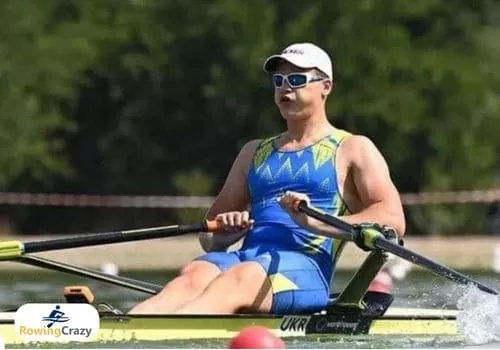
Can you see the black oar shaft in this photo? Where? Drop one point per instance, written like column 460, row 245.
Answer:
column 121, row 281
column 112, row 237
column 328, row 219
column 396, row 249
column 437, row 268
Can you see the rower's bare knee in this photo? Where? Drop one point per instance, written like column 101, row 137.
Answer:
column 191, row 282
column 247, row 286
column 193, row 279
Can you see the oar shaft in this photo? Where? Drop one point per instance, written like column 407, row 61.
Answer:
column 382, row 243
column 108, row 238
column 15, row 249
column 121, row 281
column 437, row 268
column 328, row 219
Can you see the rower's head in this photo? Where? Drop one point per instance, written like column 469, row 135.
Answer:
column 303, row 77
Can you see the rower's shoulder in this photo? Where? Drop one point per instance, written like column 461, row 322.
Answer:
column 254, row 145
column 247, row 151
column 259, row 143
column 250, row 147
column 357, row 142
column 339, row 135
column 359, row 148
column 257, row 150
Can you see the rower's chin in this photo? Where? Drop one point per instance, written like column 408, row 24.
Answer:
column 293, row 114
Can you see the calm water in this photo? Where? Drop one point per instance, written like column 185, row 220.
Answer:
column 419, row 289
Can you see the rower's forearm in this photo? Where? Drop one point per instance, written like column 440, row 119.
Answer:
column 382, row 215
column 377, row 213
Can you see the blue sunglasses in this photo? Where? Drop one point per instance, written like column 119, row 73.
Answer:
column 295, row 80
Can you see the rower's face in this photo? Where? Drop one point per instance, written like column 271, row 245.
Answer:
column 299, row 102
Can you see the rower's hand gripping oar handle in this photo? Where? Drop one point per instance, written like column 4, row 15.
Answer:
column 302, row 206
column 363, row 235
column 376, row 240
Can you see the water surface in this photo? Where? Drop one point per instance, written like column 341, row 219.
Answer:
column 418, row 289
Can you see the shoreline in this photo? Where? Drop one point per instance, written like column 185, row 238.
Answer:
column 457, row 252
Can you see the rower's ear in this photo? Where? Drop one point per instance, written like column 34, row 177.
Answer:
column 328, row 88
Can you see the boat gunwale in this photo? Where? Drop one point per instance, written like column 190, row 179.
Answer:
column 346, row 316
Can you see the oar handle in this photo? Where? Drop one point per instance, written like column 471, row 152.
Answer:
column 347, row 229
column 213, row 226
column 325, row 217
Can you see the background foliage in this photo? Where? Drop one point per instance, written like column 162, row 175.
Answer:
column 157, row 97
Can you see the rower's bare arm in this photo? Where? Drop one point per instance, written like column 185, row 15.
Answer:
column 380, row 200
column 377, row 198
column 232, row 200
column 234, row 194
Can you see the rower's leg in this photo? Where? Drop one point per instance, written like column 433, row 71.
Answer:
column 277, row 281
column 244, row 286
column 191, row 282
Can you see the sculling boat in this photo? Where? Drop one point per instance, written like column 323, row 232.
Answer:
column 397, row 321
column 394, row 321
column 353, row 311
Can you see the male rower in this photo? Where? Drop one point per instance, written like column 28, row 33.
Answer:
column 287, row 259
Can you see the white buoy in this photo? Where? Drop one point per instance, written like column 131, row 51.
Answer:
column 398, row 268
column 495, row 263
column 110, row 268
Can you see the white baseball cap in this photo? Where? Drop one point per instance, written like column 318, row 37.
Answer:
column 302, row 55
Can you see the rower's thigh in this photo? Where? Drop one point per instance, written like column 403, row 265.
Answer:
column 246, row 286
column 296, row 281
column 202, row 271
column 194, row 278
column 223, row 261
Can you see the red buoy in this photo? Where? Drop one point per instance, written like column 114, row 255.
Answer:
column 381, row 283
column 256, row 337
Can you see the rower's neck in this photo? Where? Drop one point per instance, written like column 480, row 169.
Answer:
column 308, row 130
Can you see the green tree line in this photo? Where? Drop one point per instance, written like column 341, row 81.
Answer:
column 157, row 97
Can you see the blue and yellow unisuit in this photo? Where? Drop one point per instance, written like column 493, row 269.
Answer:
column 299, row 263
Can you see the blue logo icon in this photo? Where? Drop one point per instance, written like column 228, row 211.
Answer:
column 55, row 316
